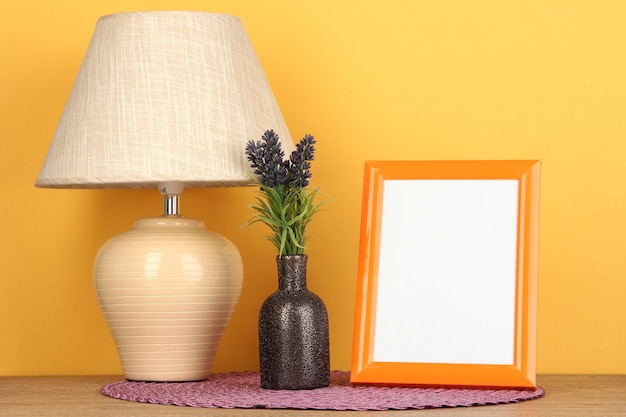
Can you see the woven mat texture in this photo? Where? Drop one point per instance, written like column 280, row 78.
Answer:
column 242, row 390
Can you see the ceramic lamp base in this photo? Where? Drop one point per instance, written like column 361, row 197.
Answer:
column 167, row 289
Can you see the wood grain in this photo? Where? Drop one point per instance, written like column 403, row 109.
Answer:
column 566, row 395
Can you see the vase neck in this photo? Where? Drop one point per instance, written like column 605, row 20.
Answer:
column 291, row 272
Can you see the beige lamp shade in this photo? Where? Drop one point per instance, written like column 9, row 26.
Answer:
column 163, row 97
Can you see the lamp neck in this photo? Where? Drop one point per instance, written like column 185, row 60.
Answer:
column 171, row 205
column 171, row 192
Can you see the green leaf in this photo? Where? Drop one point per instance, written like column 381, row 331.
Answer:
column 286, row 211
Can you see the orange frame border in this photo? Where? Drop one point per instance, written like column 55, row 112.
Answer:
column 523, row 371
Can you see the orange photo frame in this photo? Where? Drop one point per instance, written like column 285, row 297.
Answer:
column 447, row 274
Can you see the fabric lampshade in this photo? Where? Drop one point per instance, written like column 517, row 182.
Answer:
column 163, row 97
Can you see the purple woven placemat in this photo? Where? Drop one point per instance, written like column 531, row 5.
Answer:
column 242, row 390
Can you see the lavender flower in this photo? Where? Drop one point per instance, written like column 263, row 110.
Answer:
column 300, row 166
column 266, row 157
column 286, row 205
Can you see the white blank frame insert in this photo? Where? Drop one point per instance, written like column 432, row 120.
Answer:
column 447, row 274
column 460, row 237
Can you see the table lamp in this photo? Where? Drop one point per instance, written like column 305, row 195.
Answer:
column 165, row 100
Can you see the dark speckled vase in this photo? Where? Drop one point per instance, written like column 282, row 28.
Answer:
column 293, row 332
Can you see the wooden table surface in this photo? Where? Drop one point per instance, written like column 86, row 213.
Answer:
column 566, row 395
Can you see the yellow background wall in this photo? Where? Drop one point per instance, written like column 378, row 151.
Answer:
column 371, row 80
